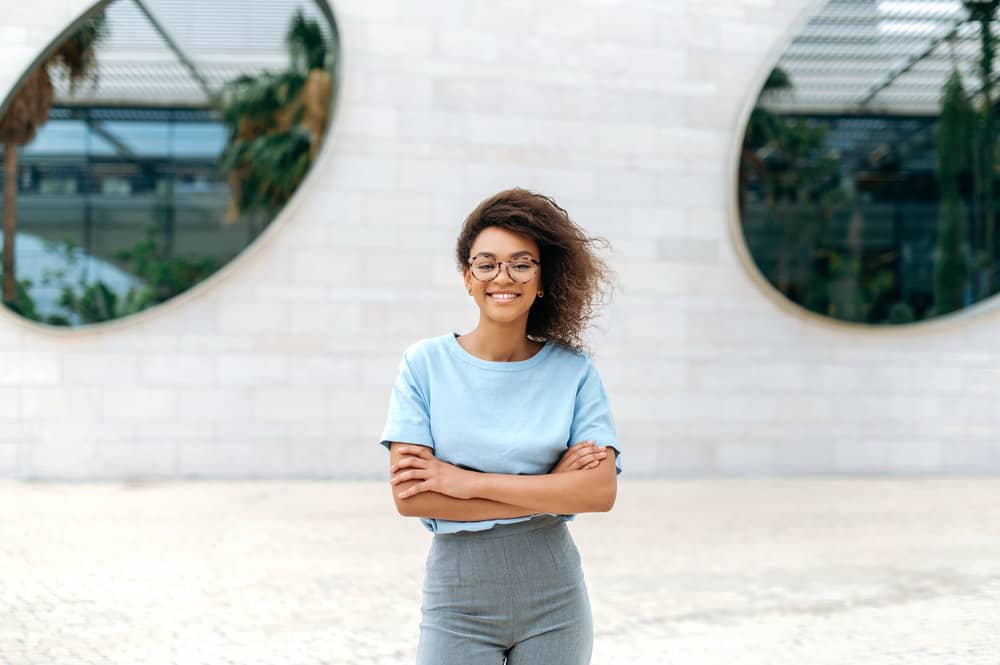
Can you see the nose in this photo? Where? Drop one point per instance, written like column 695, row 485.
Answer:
column 503, row 272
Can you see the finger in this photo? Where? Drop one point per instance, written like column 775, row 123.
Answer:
column 416, row 489
column 417, row 451
column 588, row 455
column 409, row 461
column 403, row 476
column 590, row 459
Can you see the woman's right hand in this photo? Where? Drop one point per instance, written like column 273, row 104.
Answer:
column 583, row 455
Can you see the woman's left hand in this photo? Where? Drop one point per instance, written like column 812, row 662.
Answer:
column 419, row 463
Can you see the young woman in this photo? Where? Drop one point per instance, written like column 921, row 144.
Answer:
column 498, row 437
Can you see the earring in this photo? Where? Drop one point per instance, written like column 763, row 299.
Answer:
column 541, row 293
column 470, row 291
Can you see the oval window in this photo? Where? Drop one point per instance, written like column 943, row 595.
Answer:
column 153, row 144
column 868, row 187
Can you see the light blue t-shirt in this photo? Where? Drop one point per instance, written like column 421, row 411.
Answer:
column 497, row 417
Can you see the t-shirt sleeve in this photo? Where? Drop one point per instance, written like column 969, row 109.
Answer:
column 408, row 420
column 592, row 416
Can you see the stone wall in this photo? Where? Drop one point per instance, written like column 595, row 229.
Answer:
column 630, row 114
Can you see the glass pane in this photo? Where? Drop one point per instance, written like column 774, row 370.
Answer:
column 868, row 179
column 125, row 192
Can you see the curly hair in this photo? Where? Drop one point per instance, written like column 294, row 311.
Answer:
column 574, row 278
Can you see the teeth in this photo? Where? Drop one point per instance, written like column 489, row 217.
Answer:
column 503, row 296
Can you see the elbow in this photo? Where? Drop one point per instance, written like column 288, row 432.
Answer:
column 601, row 502
column 601, row 494
column 607, row 498
column 406, row 507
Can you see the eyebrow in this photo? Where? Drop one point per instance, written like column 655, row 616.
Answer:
column 513, row 256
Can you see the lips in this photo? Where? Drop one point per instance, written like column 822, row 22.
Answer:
column 503, row 296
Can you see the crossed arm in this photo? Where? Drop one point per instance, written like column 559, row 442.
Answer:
column 424, row 486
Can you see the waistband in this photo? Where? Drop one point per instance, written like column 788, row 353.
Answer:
column 504, row 530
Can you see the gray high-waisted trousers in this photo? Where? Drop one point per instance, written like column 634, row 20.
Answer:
column 515, row 591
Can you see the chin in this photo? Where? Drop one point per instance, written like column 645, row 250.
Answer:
column 506, row 317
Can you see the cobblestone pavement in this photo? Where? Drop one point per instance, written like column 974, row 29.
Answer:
column 768, row 572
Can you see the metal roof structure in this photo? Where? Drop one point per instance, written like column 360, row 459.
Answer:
column 175, row 53
column 879, row 57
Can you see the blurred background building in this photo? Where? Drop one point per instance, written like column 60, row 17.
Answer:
column 233, row 217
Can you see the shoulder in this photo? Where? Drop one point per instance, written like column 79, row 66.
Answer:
column 425, row 352
column 567, row 360
column 569, row 355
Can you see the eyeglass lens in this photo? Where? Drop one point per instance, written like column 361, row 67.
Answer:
column 486, row 268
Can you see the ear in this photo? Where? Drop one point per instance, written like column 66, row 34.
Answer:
column 468, row 278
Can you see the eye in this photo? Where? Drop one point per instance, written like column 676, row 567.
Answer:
column 485, row 265
column 522, row 266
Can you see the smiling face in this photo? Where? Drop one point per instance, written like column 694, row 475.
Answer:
column 502, row 299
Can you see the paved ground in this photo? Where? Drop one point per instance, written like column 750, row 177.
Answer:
column 767, row 572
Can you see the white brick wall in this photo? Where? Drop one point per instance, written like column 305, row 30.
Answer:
column 626, row 112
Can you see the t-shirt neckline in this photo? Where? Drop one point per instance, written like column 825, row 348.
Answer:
column 501, row 365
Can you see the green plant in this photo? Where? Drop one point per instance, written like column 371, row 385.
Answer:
column 763, row 127
column 276, row 123
column 955, row 140
column 28, row 111
column 78, row 53
column 901, row 312
column 96, row 303
column 23, row 304
column 984, row 12
column 163, row 278
column 800, row 198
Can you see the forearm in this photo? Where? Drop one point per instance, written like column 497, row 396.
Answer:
column 578, row 491
column 441, row 506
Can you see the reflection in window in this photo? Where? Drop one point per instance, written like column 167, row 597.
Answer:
column 868, row 188
column 127, row 190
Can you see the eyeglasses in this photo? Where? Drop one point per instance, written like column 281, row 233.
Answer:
column 485, row 268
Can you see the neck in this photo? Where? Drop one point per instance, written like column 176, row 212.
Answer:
column 500, row 342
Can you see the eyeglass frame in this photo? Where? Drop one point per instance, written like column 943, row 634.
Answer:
column 502, row 266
